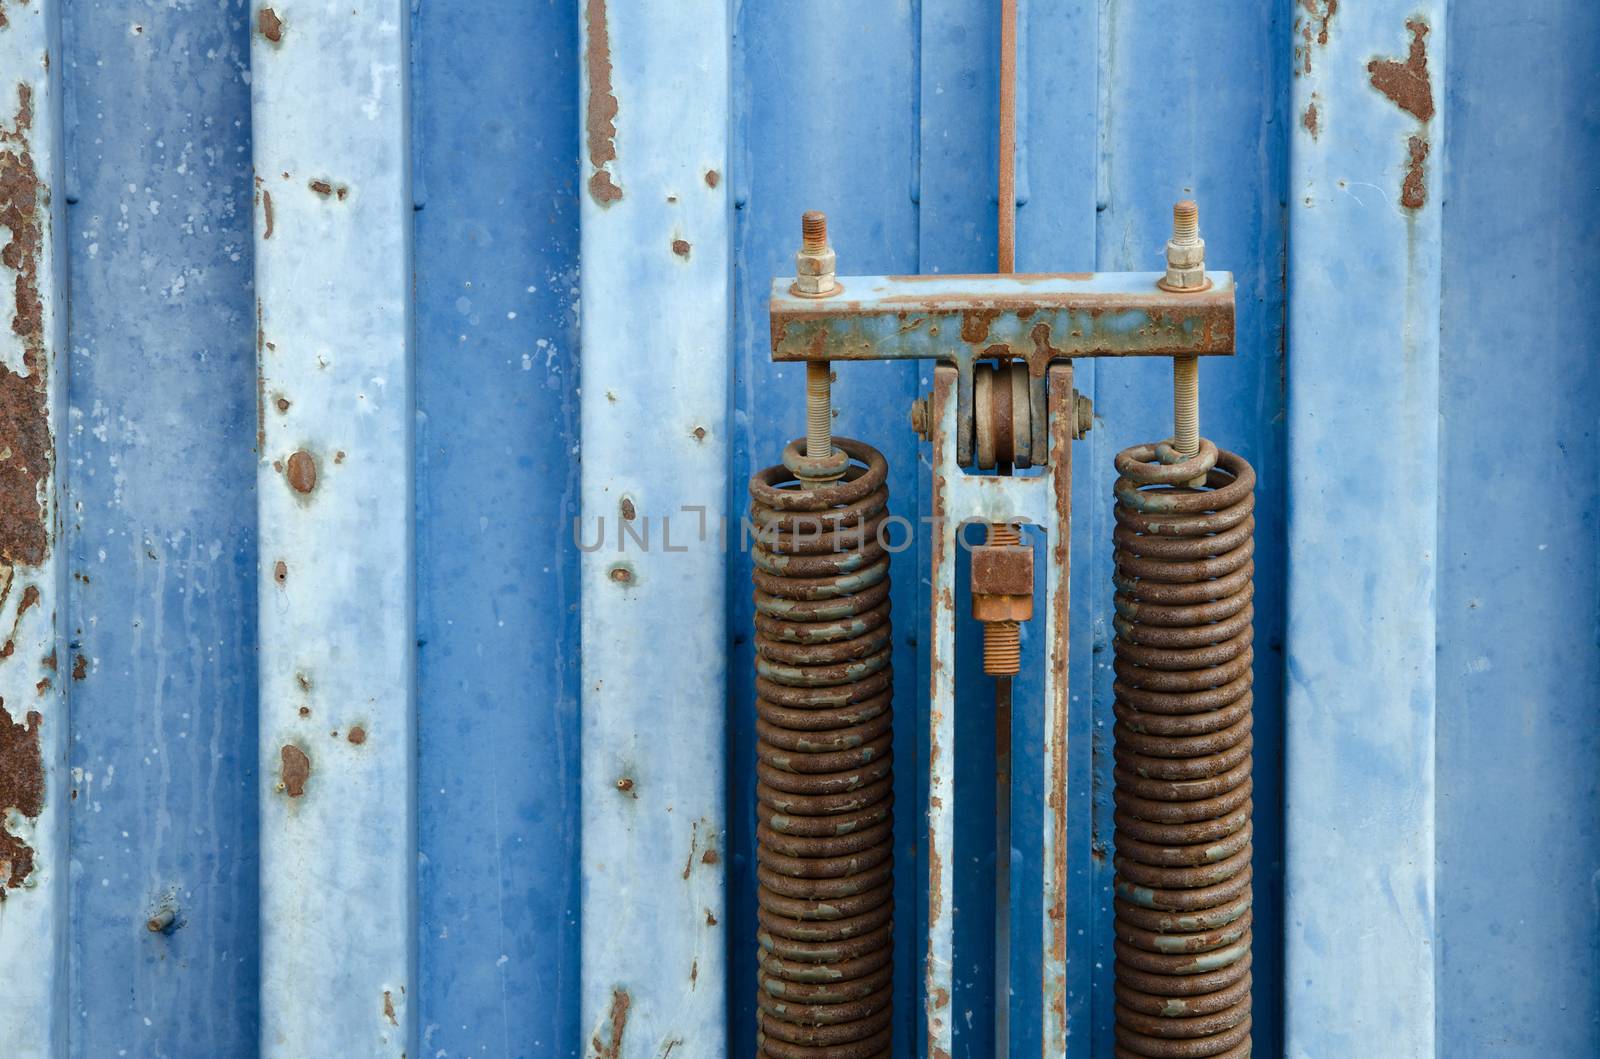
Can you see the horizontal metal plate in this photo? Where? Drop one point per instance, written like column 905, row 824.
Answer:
column 1036, row 318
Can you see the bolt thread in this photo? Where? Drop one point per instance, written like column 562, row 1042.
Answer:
column 1185, row 222
column 819, row 409
column 814, row 230
column 1186, row 405
column 1002, row 648
column 1002, row 640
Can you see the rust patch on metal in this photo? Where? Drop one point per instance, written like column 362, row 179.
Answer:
column 1406, row 82
column 266, row 214
column 1312, row 29
column 280, row 572
column 269, row 25
column 713, row 178
column 358, row 735
column 328, row 189
column 600, row 122
column 612, row 1049
column 388, row 1008
column 625, row 785
column 296, row 769
column 26, row 448
column 681, row 247
column 80, row 667
column 1414, row 188
column 975, row 324
column 302, row 471
column 1311, row 119
column 21, row 790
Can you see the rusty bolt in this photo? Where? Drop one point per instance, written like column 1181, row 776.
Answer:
column 1002, row 596
column 1082, row 415
column 919, row 418
column 1186, row 271
column 161, row 921
column 814, row 265
column 1186, row 251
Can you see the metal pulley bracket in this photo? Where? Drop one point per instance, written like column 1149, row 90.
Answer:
column 1033, row 319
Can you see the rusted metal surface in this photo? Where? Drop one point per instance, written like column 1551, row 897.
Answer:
column 1045, row 501
column 1038, row 319
column 825, row 731
column 1407, row 84
column 337, row 643
column 1184, row 629
column 32, row 577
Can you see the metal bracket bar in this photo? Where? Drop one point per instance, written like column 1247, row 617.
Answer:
column 1046, row 501
column 1035, row 318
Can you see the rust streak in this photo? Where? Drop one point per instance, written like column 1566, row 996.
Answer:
column 21, row 791
column 296, row 769
column 266, row 213
column 388, row 1008
column 620, row 1002
column 600, row 122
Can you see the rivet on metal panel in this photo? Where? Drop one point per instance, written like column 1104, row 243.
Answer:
column 302, row 471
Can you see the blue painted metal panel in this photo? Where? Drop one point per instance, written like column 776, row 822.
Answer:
column 883, row 115
column 656, row 278
column 1518, row 757
column 497, row 479
column 161, row 531
column 1364, row 412
column 330, row 114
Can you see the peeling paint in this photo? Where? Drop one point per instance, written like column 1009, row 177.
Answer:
column 21, row 791
column 600, row 121
column 26, row 448
column 1312, row 29
column 296, row 770
column 388, row 1008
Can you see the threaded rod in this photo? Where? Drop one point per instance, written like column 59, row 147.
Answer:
column 1002, row 640
column 819, row 409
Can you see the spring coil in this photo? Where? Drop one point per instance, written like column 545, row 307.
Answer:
column 1183, row 753
column 824, row 785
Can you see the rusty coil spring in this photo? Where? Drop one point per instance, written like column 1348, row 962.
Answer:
column 824, row 730
column 1183, row 752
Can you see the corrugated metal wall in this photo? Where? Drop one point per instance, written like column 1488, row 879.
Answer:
column 303, row 651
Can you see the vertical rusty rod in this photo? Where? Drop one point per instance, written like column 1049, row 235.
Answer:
column 1002, row 641
column 1008, row 136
